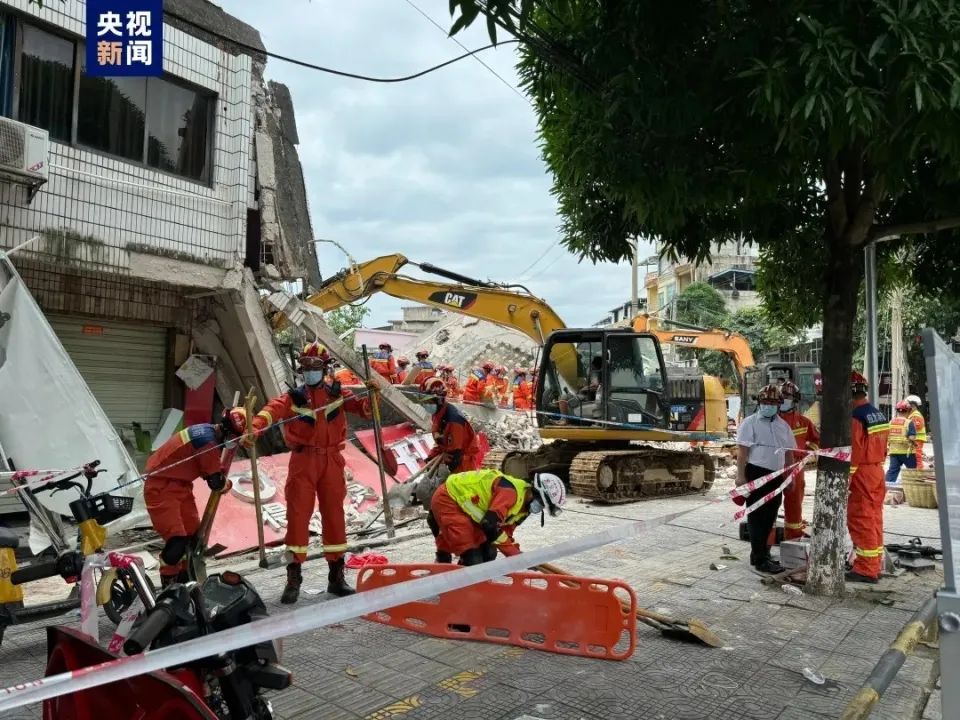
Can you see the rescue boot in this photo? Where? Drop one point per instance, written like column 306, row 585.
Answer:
column 769, row 565
column 473, row 556
column 444, row 557
column 294, row 579
column 336, row 581
column 851, row 576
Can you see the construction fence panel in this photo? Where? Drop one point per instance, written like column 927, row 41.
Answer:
column 943, row 380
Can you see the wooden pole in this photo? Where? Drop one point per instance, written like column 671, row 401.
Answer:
column 378, row 441
column 255, row 477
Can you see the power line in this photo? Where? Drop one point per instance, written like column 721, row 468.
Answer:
column 333, row 71
column 441, row 29
column 541, row 257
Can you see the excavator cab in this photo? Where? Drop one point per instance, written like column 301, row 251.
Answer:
column 596, row 382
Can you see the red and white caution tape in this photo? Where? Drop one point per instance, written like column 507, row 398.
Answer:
column 313, row 617
column 841, row 453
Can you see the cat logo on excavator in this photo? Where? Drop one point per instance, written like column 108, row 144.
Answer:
column 461, row 301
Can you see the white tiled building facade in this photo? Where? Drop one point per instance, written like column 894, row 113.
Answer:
column 149, row 227
column 194, row 209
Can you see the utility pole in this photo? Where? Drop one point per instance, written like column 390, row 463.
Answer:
column 635, row 286
column 870, row 364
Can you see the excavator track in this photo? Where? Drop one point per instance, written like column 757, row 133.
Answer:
column 644, row 473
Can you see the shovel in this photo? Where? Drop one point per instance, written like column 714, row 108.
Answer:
column 692, row 630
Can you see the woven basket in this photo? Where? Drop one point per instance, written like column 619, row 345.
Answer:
column 918, row 488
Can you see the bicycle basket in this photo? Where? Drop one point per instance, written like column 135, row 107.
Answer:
column 110, row 507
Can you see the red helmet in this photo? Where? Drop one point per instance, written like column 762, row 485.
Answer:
column 434, row 386
column 421, row 353
column 790, row 390
column 385, row 346
column 403, row 360
column 903, row 406
column 770, row 394
column 488, row 366
column 234, row 421
column 519, row 371
column 314, row 356
column 501, row 369
column 858, row 383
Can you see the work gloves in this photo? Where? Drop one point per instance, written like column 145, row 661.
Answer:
column 216, row 482
column 490, row 525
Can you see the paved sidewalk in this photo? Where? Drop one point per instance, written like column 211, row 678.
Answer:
column 364, row 670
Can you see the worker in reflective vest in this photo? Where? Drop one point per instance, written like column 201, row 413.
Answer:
column 867, row 488
column 477, row 512
column 901, row 445
column 168, row 491
column 807, row 437
column 315, row 437
column 916, row 417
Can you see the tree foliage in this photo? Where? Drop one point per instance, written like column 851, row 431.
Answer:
column 808, row 127
column 345, row 320
column 701, row 304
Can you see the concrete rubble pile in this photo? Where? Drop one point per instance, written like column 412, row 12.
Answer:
column 505, row 429
column 466, row 342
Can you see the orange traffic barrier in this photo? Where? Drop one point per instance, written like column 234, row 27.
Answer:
column 568, row 615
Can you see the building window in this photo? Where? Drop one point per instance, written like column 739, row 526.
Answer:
column 157, row 122
column 46, row 82
column 178, row 129
column 111, row 115
column 7, row 44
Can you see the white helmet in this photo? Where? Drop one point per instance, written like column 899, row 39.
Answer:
column 551, row 493
column 913, row 400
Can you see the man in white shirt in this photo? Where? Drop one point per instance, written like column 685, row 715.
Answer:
column 765, row 442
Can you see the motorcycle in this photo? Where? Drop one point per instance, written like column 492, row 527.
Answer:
column 221, row 687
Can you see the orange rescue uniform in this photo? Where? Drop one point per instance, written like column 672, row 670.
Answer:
column 475, row 387
column 916, row 417
column 346, row 376
column 315, row 438
column 168, row 490
column 456, row 439
column 458, row 532
column 807, row 437
column 522, row 395
column 452, row 386
column 385, row 364
column 867, row 487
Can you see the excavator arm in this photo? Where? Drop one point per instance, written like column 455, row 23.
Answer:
column 730, row 343
column 486, row 301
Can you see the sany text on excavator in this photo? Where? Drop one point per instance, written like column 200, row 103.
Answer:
column 600, row 389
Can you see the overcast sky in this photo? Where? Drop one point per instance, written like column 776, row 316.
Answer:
column 444, row 169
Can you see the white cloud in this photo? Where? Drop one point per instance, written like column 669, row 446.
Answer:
column 444, row 169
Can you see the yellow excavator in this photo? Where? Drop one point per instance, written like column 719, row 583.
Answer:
column 600, row 389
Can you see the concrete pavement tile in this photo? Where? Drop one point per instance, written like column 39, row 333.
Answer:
column 797, row 656
column 825, row 700
column 348, row 694
column 547, row 708
column 774, row 684
column 395, row 684
column 801, row 713
column 845, row 669
column 294, row 702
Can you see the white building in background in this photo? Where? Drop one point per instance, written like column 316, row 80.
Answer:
column 166, row 200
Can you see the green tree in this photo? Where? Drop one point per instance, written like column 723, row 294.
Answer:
column 809, row 127
column 345, row 320
column 702, row 305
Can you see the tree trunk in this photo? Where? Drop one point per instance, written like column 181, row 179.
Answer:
column 842, row 285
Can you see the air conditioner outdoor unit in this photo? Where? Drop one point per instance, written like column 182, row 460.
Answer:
column 24, row 154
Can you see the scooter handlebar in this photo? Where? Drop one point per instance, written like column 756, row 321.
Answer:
column 37, row 571
column 147, row 631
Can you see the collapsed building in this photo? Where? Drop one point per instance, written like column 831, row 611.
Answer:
column 161, row 208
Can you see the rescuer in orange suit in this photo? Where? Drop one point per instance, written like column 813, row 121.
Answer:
column 168, row 491
column 522, row 390
column 346, row 376
column 807, row 437
column 920, row 425
column 423, row 367
column 315, row 438
column 477, row 383
column 867, row 487
column 450, row 381
column 384, row 363
column 403, row 365
column 453, row 436
column 497, row 386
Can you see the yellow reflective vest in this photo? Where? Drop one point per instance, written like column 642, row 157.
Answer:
column 917, row 419
column 473, row 492
column 897, row 442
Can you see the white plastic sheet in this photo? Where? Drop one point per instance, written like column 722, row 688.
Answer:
column 50, row 419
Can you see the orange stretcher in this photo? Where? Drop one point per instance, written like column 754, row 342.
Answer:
column 563, row 614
